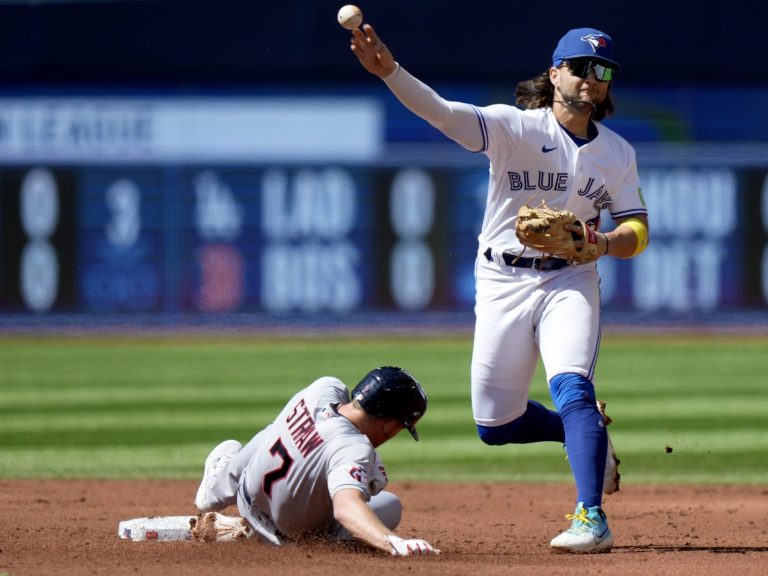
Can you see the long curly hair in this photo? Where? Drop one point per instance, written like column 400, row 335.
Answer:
column 539, row 92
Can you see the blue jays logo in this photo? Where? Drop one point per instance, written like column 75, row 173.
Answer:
column 595, row 40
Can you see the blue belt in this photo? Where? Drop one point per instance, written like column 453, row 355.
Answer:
column 542, row 264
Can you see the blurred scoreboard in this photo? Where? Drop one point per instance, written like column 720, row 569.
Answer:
column 277, row 239
column 336, row 238
column 38, row 260
column 300, row 204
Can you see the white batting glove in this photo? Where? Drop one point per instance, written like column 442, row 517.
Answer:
column 413, row 547
column 214, row 526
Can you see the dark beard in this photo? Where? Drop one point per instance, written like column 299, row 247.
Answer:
column 581, row 106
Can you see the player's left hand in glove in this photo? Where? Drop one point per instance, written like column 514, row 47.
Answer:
column 556, row 232
column 213, row 526
column 412, row 547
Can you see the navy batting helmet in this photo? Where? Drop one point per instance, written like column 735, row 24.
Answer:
column 392, row 392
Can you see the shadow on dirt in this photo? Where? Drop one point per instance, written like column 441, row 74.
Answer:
column 713, row 549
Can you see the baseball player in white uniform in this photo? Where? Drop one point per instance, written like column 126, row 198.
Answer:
column 315, row 470
column 528, row 304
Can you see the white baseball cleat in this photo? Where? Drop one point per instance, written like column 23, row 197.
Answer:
column 611, row 478
column 588, row 534
column 216, row 462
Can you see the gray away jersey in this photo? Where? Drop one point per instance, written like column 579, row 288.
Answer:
column 306, row 455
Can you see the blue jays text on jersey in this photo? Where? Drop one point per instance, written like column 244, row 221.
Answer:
column 525, row 180
column 558, row 181
column 600, row 196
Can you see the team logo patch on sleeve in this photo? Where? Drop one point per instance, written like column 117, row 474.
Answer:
column 356, row 472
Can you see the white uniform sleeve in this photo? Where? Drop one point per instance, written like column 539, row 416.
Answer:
column 458, row 121
column 351, row 467
column 378, row 478
column 628, row 200
column 502, row 128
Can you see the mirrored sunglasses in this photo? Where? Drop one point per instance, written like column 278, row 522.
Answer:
column 581, row 67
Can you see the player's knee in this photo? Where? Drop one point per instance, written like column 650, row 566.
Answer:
column 388, row 508
column 490, row 435
column 570, row 387
column 508, row 433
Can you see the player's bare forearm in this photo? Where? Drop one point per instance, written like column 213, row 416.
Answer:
column 372, row 52
column 351, row 511
column 623, row 240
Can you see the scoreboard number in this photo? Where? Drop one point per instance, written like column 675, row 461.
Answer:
column 39, row 214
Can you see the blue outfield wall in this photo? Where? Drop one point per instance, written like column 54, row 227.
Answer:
column 149, row 205
column 192, row 161
column 340, row 239
column 200, row 42
column 697, row 113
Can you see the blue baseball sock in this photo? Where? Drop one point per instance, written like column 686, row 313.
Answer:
column 537, row 424
column 586, row 440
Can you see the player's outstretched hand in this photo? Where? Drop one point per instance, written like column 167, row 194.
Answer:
column 372, row 52
column 412, row 547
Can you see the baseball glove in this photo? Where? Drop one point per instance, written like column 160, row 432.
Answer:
column 544, row 229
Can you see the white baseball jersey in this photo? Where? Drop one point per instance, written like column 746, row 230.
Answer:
column 305, row 456
column 532, row 158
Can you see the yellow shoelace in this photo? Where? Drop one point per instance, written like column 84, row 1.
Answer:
column 581, row 516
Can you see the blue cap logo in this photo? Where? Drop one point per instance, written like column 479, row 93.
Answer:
column 595, row 40
column 585, row 43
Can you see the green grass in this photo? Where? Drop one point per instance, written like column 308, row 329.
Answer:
column 685, row 409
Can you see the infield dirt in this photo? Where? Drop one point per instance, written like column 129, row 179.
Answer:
column 70, row 527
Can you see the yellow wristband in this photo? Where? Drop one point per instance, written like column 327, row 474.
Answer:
column 641, row 231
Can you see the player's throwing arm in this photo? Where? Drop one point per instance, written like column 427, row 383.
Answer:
column 371, row 51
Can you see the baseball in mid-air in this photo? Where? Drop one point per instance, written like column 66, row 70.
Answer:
column 350, row 16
